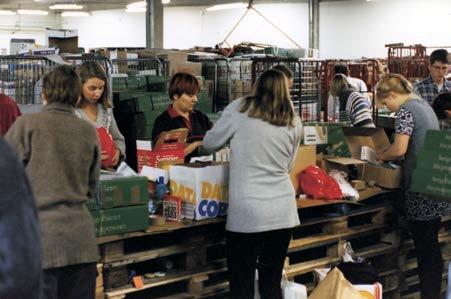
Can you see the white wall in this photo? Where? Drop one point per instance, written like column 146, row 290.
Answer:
column 352, row 29
column 186, row 27
column 30, row 27
column 112, row 28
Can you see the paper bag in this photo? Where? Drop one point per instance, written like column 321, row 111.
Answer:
column 335, row 286
column 203, row 189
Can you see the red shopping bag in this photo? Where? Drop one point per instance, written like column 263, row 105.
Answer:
column 317, row 183
column 107, row 146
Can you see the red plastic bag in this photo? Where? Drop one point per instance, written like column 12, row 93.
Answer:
column 317, row 183
column 107, row 146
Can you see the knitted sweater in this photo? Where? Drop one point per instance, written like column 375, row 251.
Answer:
column 62, row 159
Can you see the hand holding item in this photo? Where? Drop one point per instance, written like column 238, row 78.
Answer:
column 116, row 157
column 191, row 147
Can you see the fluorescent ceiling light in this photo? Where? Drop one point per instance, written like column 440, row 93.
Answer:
column 136, row 9
column 227, row 6
column 7, row 12
column 139, row 4
column 32, row 12
column 165, row 1
column 75, row 14
column 66, row 6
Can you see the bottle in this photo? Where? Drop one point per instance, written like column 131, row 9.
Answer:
column 160, row 189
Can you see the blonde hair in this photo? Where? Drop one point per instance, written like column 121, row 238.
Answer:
column 271, row 100
column 338, row 84
column 392, row 83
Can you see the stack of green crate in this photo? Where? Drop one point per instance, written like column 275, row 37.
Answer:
column 433, row 169
column 140, row 82
column 120, row 205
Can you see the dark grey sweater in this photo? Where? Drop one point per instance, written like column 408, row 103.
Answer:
column 20, row 248
column 62, row 159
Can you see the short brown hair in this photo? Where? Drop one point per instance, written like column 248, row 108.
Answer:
column 285, row 70
column 270, row 101
column 89, row 70
column 62, row 85
column 183, row 83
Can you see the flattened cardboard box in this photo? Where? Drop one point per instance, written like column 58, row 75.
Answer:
column 434, row 160
column 438, row 140
column 120, row 220
column 432, row 183
column 122, row 191
column 305, row 156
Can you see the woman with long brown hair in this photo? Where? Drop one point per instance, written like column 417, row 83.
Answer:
column 264, row 134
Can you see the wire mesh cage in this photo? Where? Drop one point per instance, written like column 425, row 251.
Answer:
column 80, row 59
column 240, row 78
column 260, row 65
column 21, row 77
column 138, row 66
column 310, row 89
column 409, row 61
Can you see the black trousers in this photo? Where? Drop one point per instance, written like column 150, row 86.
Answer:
column 70, row 282
column 429, row 256
column 264, row 251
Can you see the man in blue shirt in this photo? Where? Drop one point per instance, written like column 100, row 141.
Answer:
column 429, row 88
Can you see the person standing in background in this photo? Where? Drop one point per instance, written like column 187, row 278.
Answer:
column 429, row 88
column 414, row 117
column 62, row 158
column 9, row 112
column 333, row 105
column 95, row 107
column 20, row 245
column 287, row 72
column 262, row 207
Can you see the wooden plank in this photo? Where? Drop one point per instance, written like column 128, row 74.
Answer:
column 325, row 239
column 170, row 278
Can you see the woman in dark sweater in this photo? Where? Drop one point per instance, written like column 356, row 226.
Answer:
column 62, row 159
column 414, row 117
column 183, row 91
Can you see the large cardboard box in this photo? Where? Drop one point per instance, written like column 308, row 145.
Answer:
column 436, row 183
column 305, row 156
column 120, row 220
column 203, row 189
column 376, row 139
column 116, row 191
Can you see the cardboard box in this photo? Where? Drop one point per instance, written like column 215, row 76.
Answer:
column 192, row 68
column 120, row 220
column 203, row 189
column 434, row 160
column 116, row 191
column 434, row 183
column 305, row 156
column 438, row 140
column 376, row 139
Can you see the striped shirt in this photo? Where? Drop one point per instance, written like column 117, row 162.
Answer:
column 354, row 108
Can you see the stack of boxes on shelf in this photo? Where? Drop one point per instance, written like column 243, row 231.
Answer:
column 120, row 205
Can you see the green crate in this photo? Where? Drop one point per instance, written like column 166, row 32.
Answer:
column 203, row 104
column 434, row 161
column 120, row 220
column 432, row 183
column 119, row 83
column 438, row 140
column 136, row 82
column 91, row 203
column 121, row 191
column 144, row 132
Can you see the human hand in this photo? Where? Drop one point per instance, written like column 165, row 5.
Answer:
column 192, row 147
column 104, row 155
column 116, row 157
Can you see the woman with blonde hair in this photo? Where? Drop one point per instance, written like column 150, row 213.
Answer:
column 264, row 134
column 414, row 117
column 353, row 106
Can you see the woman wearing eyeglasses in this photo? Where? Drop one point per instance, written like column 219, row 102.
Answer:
column 414, row 117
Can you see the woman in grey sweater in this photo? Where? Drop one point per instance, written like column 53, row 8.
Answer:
column 264, row 134
column 62, row 159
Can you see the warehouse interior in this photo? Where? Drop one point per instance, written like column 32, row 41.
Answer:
column 160, row 211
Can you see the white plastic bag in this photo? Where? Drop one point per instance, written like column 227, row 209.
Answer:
column 290, row 290
column 346, row 189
